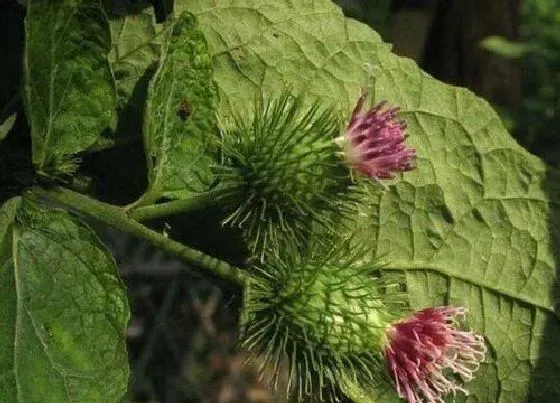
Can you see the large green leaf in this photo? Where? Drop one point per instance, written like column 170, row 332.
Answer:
column 69, row 88
column 262, row 47
column 180, row 114
column 474, row 225
column 64, row 310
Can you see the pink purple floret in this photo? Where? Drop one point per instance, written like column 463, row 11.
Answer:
column 375, row 141
column 425, row 348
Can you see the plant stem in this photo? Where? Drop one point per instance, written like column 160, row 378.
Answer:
column 196, row 202
column 116, row 217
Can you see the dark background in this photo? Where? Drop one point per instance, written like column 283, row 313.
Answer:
column 183, row 330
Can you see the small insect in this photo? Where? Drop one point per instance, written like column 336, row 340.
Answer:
column 184, row 109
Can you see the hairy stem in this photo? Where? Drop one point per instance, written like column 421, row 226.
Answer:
column 116, row 217
column 196, row 202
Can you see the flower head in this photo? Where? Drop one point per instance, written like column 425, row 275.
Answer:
column 425, row 347
column 374, row 141
column 282, row 168
column 325, row 313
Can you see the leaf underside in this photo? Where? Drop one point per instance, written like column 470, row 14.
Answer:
column 473, row 225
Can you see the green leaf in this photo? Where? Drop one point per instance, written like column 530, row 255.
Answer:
column 64, row 310
column 384, row 393
column 474, row 225
column 68, row 84
column 134, row 48
column 265, row 47
column 136, row 44
column 505, row 48
column 180, row 114
column 7, row 125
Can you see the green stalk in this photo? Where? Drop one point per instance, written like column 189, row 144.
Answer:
column 116, row 217
column 196, row 202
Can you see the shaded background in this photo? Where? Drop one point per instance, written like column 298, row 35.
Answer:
column 183, row 330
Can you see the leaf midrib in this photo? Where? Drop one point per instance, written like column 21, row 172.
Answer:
column 19, row 307
column 20, row 311
column 404, row 265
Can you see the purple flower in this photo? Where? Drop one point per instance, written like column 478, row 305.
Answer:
column 374, row 141
column 425, row 348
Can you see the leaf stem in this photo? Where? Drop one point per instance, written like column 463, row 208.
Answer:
column 196, row 202
column 116, row 217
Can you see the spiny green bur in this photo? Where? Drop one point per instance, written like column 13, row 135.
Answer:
column 325, row 314
column 333, row 308
column 284, row 172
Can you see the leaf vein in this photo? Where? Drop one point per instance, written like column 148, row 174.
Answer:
column 421, row 266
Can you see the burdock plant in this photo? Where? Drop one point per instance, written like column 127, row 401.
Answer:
column 374, row 141
column 282, row 171
column 324, row 312
column 332, row 315
column 317, row 301
column 289, row 173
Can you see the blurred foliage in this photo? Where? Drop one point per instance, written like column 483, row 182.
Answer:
column 535, row 123
column 374, row 13
column 182, row 337
column 11, row 41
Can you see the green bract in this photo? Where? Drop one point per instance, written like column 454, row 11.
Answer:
column 325, row 313
column 284, row 171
